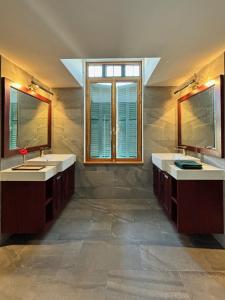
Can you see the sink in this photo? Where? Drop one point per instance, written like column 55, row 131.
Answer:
column 61, row 161
column 163, row 160
column 27, row 168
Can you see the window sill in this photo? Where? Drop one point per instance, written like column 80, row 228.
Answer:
column 113, row 162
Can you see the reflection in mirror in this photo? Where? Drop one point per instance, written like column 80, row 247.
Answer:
column 28, row 121
column 197, row 120
column 200, row 119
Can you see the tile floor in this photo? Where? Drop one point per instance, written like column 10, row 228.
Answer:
column 110, row 250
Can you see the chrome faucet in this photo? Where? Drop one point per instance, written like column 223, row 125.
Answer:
column 42, row 151
column 183, row 149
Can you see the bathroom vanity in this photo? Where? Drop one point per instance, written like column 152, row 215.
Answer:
column 31, row 199
column 192, row 199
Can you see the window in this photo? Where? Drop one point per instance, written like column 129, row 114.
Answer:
column 114, row 113
column 132, row 70
column 95, row 71
column 113, row 71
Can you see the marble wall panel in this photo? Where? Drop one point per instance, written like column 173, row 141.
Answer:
column 159, row 134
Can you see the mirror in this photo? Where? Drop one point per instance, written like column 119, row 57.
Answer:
column 200, row 124
column 27, row 119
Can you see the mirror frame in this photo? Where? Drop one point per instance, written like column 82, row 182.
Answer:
column 6, row 84
column 219, row 114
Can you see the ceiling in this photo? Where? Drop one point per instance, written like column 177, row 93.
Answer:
column 186, row 34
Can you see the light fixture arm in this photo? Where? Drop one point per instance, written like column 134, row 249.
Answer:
column 187, row 84
column 38, row 86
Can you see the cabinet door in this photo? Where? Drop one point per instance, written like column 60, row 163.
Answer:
column 161, row 191
column 156, row 181
column 68, row 183
column 58, row 198
column 72, row 180
column 200, row 201
column 23, row 207
column 167, row 192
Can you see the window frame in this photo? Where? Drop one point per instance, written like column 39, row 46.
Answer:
column 113, row 80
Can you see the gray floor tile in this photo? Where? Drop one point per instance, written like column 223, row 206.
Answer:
column 110, row 249
column 202, row 286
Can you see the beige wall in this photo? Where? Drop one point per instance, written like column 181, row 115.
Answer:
column 211, row 71
column 18, row 75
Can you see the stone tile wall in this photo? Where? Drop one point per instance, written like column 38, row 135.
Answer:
column 159, row 135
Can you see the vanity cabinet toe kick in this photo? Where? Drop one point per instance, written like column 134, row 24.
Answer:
column 194, row 206
column 30, row 207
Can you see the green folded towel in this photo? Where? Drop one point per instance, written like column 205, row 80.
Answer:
column 187, row 164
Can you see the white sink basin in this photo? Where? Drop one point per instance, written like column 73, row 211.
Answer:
column 163, row 160
column 207, row 172
column 61, row 161
column 19, row 175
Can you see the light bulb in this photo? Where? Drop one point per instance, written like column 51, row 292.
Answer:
column 210, row 83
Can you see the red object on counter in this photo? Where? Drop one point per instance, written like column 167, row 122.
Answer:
column 23, row 151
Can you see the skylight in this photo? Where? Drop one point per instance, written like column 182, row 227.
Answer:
column 77, row 66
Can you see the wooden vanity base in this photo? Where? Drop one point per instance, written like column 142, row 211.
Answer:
column 194, row 206
column 30, row 207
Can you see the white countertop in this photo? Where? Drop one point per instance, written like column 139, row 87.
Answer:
column 61, row 161
column 162, row 160
column 19, row 175
column 165, row 162
column 207, row 172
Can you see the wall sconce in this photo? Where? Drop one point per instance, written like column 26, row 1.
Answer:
column 34, row 86
column 193, row 82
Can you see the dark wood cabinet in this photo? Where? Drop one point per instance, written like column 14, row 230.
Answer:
column 194, row 206
column 166, row 192
column 161, row 187
column 68, row 184
column 31, row 206
column 156, row 181
column 58, row 193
